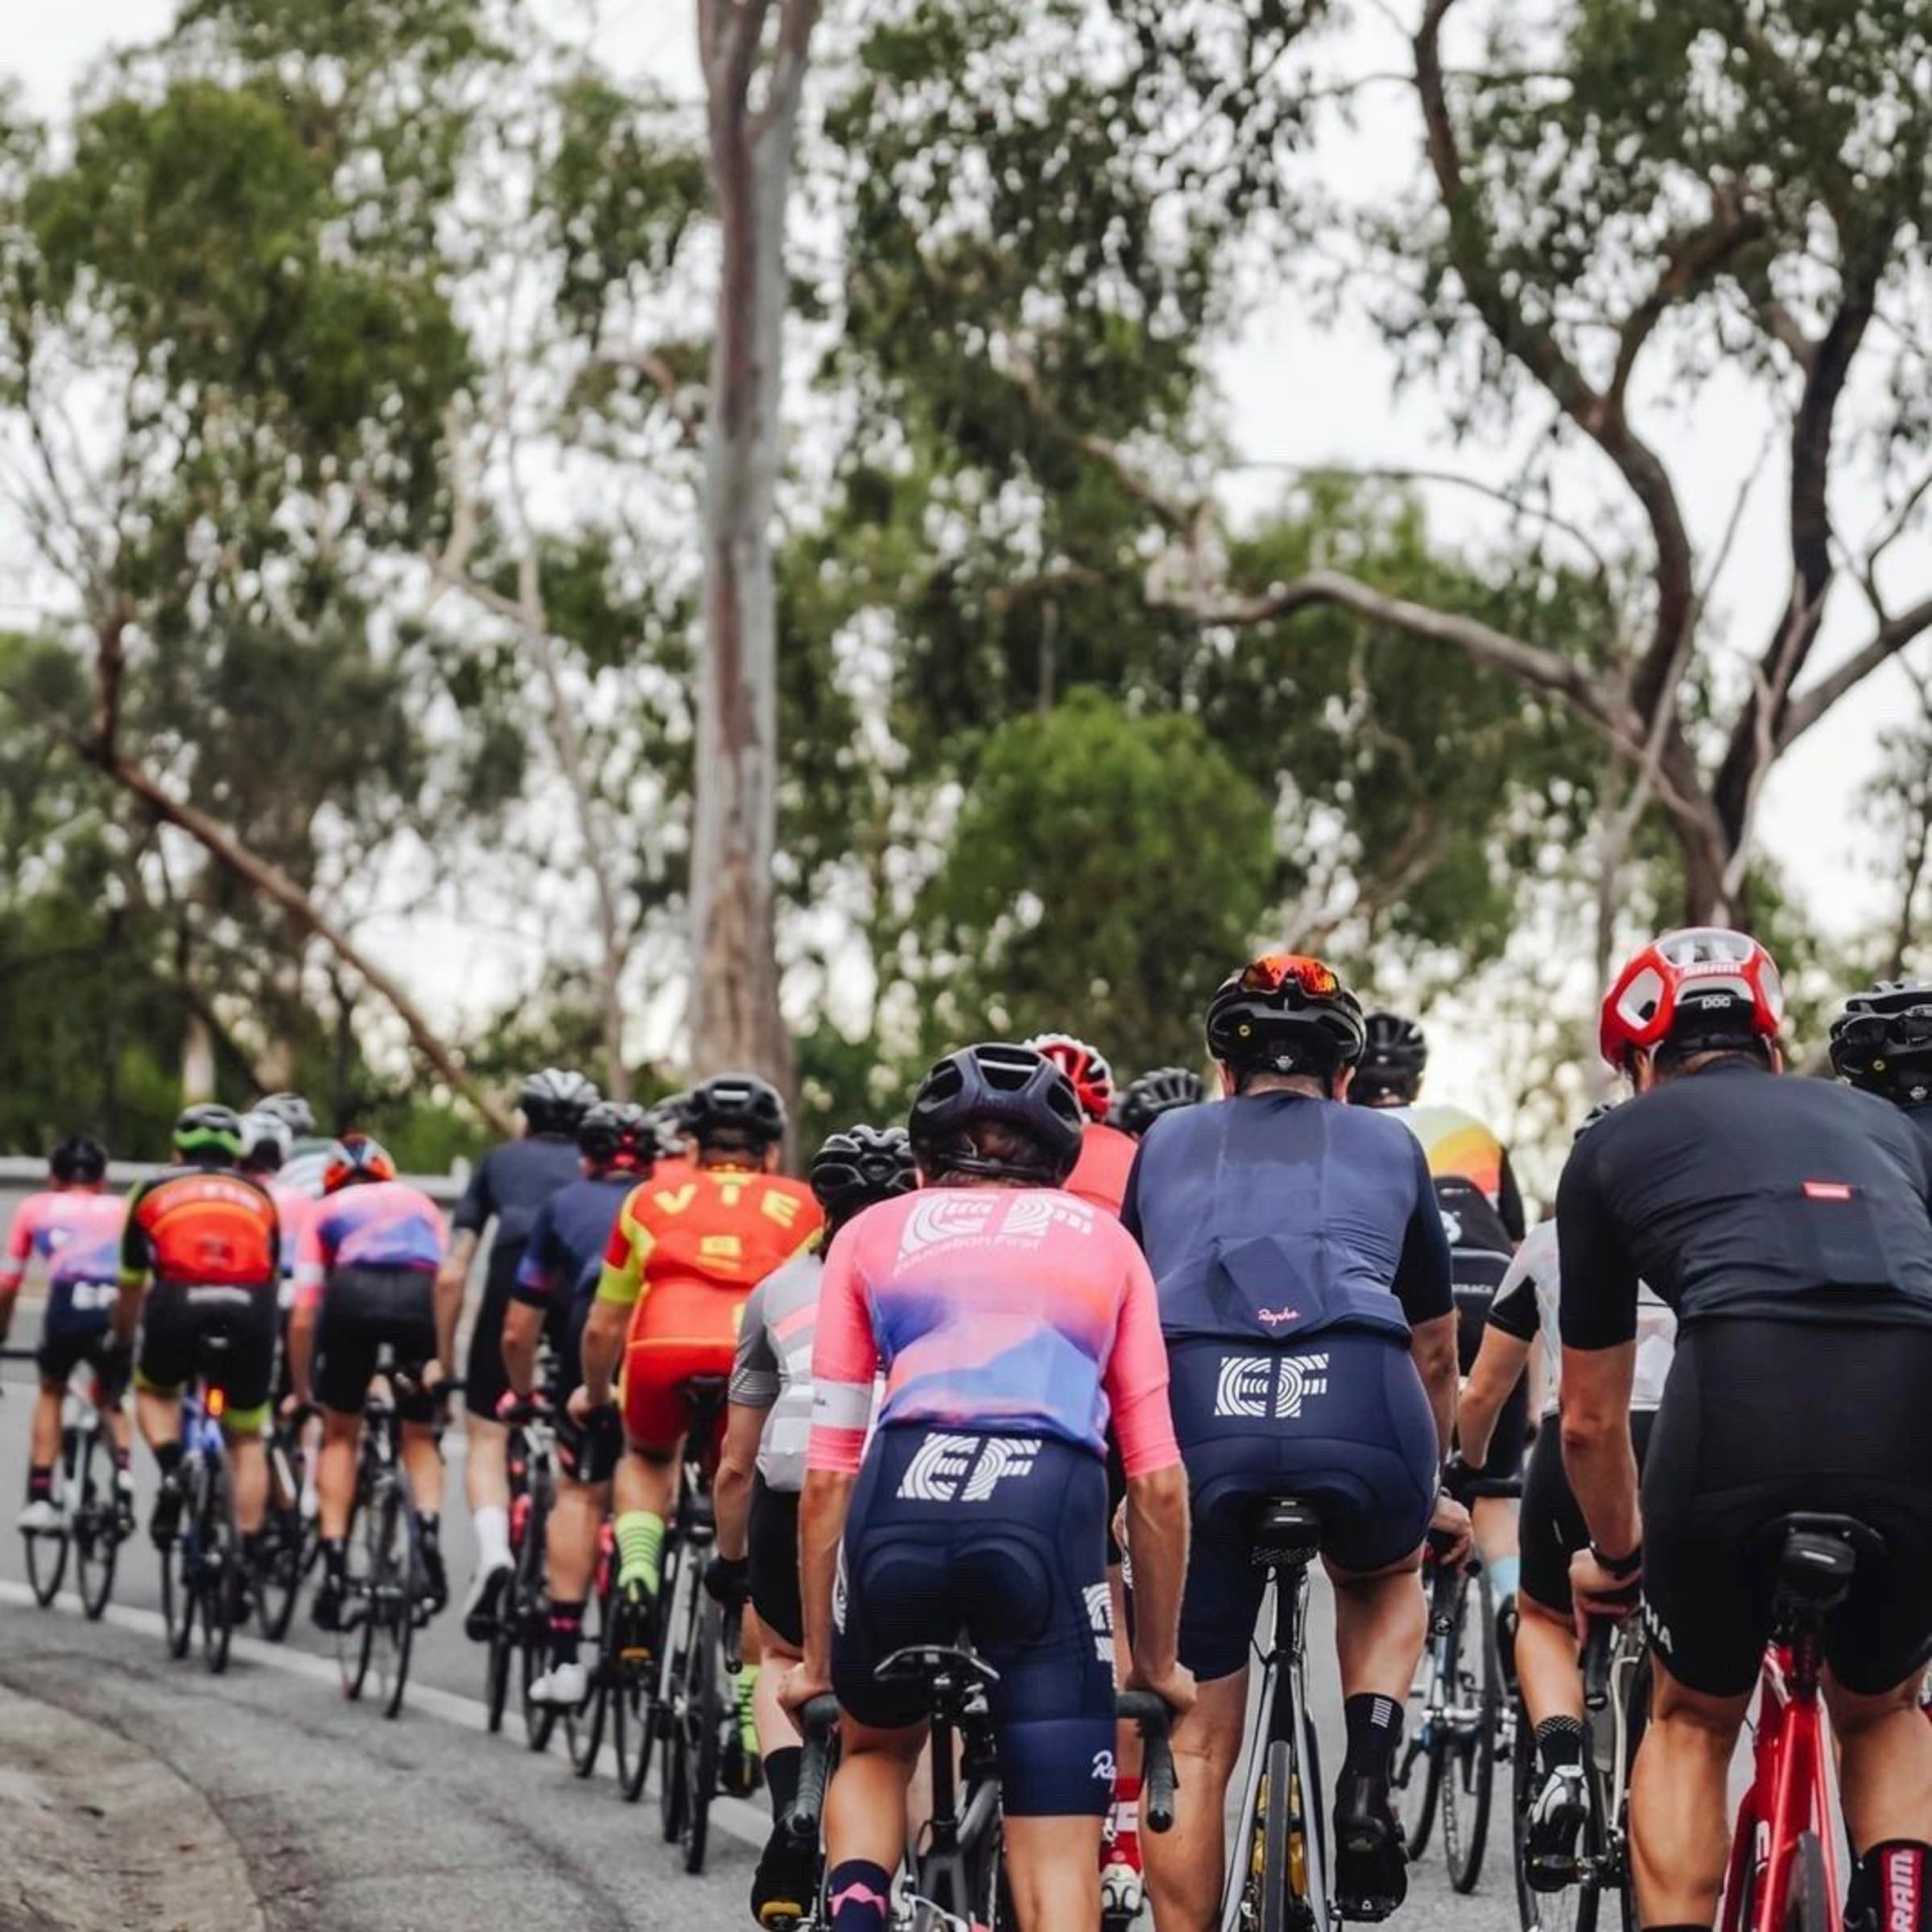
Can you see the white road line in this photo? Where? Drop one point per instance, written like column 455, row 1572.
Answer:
column 732, row 1815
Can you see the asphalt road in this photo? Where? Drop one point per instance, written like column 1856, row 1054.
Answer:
column 155, row 1797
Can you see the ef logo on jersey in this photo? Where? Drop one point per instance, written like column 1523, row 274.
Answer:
column 965, row 1468
column 1258, row 1386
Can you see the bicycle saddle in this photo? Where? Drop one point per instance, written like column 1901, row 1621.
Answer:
column 938, row 1665
column 1287, row 1534
column 1816, row 1556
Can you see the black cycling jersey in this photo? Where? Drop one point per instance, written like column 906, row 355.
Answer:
column 1735, row 1191
column 512, row 1181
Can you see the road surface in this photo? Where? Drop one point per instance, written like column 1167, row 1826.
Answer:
column 141, row 1795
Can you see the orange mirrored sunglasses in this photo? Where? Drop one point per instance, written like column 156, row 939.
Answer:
column 1274, row 970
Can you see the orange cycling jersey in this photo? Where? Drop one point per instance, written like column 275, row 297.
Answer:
column 686, row 1251
column 201, row 1228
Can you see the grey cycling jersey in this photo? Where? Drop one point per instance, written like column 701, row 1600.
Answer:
column 772, row 1369
column 1526, row 1306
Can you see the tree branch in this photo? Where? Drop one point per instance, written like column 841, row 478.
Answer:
column 1808, row 707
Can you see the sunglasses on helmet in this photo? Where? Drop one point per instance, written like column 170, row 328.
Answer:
column 1274, row 972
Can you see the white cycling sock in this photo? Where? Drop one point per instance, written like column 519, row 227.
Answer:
column 492, row 1537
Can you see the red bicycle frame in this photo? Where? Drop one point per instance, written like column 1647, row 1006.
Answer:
column 1793, row 1790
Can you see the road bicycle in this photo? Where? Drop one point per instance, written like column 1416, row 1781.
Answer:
column 387, row 1597
column 955, row 1873
column 583, row 1728
column 291, row 1537
column 519, row 1638
column 93, row 1518
column 202, row 1569
column 1279, row 1877
column 1616, row 1703
column 1461, row 1719
column 1783, row 1873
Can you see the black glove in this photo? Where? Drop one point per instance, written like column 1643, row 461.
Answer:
column 1459, row 1477
column 728, row 1580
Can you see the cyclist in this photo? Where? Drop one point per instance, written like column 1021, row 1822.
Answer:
column 1013, row 1321
column 761, row 1469
column 306, row 1158
column 73, row 1229
column 1148, row 1095
column 206, row 1239
column 1305, row 1294
column 1482, row 1207
column 1786, row 1223
column 1100, row 1175
column 509, row 1184
column 267, row 1144
column 557, row 1283
column 683, row 1256
column 367, row 1276
column 1523, row 1319
column 1882, row 1042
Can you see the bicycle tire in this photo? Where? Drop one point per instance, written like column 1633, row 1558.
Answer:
column 1573, row 1910
column 279, row 1581
column 667, row 1718
column 97, row 1529
column 1309, row 1796
column 530, row 1594
column 1277, row 1831
column 177, row 1586
column 632, row 1714
column 355, row 1645
column 1476, row 1681
column 584, row 1727
column 219, row 1569
column 1415, row 1808
column 47, row 1549
column 496, row 1665
column 404, row 1585
column 705, row 1716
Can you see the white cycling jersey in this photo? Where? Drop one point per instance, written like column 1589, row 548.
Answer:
column 1526, row 1306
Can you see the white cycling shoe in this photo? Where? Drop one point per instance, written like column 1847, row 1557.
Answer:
column 42, row 1517
column 565, row 1686
column 1121, row 1891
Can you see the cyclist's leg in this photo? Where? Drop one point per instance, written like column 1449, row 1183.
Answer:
column 486, row 1465
column 1053, row 1866
column 673, row 1338
column 410, row 1326
column 345, row 1359
column 1121, row 1862
column 865, row 1820
column 1677, row 1812
column 251, row 1372
column 1885, row 1772
column 54, row 1361
column 1186, row 1866
column 163, row 1365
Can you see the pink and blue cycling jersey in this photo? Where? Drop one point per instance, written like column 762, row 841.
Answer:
column 76, row 1236
column 1004, row 1310
column 295, row 1207
column 378, row 1224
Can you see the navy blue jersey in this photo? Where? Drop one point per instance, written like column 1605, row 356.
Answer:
column 1279, row 1216
column 565, row 1254
column 512, row 1181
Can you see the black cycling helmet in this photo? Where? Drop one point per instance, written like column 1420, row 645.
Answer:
column 734, row 1110
column 267, row 1142
column 1601, row 1111
column 209, row 1136
column 293, row 1109
column 1394, row 1055
column 1150, row 1094
column 861, row 1166
column 1000, row 1084
column 667, row 1122
column 80, row 1157
column 618, row 1133
column 1286, row 1013
column 556, row 1100
column 1882, row 1042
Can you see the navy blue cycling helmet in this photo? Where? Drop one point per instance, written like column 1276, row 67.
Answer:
column 997, row 1083
column 861, row 1167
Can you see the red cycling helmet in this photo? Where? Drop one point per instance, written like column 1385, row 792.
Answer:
column 1086, row 1068
column 1705, row 985
column 356, row 1158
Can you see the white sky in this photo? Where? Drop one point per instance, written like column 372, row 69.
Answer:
column 1302, row 395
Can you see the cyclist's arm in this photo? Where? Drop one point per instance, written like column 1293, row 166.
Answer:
column 471, row 1216
column 1515, row 1318
column 620, row 1286
column 137, row 1260
column 19, row 1250
column 531, row 1296
column 1598, row 1311
column 1424, row 1285
column 1510, row 1202
column 755, row 1383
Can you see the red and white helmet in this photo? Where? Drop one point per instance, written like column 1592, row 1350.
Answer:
column 1703, row 984
column 1086, row 1068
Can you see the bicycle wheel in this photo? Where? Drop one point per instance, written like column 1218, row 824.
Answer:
column 497, row 1658
column 96, row 1530
column 1808, row 1905
column 218, row 1572
column 1417, row 1783
column 1574, row 1909
column 704, row 1715
column 634, row 1727
column 178, row 1570
column 584, row 1727
column 392, row 1608
column 1273, row 1832
column 680, row 1629
column 283, row 1558
column 47, row 1549
column 1475, row 1680
column 355, row 1640
column 531, row 1598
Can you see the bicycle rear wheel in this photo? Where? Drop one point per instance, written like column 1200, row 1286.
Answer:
column 531, row 1596
column 218, row 1571
column 1274, row 1830
column 583, row 1728
column 97, row 1528
column 680, row 1627
column 703, row 1714
column 1574, row 1909
column 1808, row 1905
column 393, row 1610
column 633, row 1725
column 178, row 1579
column 355, row 1640
column 1475, row 1682
column 284, row 1556
column 1417, row 1783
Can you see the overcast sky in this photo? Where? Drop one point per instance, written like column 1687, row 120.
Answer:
column 1302, row 395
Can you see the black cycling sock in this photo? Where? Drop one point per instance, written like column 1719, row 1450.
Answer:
column 1890, row 1887
column 335, row 1556
column 168, row 1457
column 429, row 1524
column 1559, row 1740
column 859, row 1893
column 40, row 1484
column 1677, row 1929
column 1374, row 1723
column 566, row 1632
column 781, row 1769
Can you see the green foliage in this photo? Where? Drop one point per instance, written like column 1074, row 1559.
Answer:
column 1104, row 871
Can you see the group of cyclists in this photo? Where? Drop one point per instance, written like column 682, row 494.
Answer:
column 1022, row 1372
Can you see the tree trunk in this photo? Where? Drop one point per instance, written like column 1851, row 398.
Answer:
column 735, row 1020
